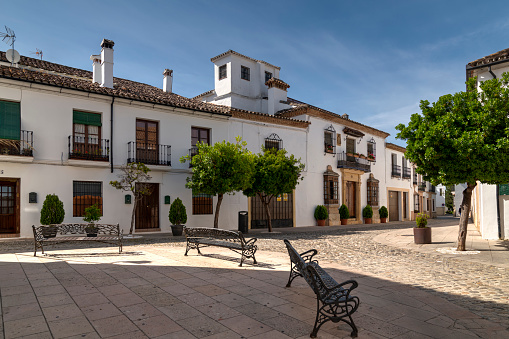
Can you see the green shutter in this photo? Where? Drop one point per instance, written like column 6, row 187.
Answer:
column 10, row 120
column 85, row 118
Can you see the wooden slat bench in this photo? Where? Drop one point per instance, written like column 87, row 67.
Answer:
column 203, row 237
column 110, row 234
column 334, row 301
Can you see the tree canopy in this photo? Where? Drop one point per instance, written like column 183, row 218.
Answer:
column 222, row 168
column 463, row 137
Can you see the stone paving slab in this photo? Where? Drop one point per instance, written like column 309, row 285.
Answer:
column 157, row 292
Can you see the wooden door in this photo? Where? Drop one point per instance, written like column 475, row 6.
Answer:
column 147, row 210
column 351, row 198
column 147, row 142
column 405, row 198
column 393, row 206
column 8, row 208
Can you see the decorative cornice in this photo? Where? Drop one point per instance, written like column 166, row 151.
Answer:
column 230, row 52
column 395, row 147
column 267, row 118
column 278, row 83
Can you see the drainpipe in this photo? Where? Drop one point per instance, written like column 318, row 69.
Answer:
column 111, row 133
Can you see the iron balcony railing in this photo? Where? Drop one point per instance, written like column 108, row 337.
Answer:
column 149, row 154
column 407, row 173
column 415, row 180
column 83, row 148
column 24, row 146
column 422, row 186
column 350, row 161
column 396, row 171
column 192, row 152
column 432, row 188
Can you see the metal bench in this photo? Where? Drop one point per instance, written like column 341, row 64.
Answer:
column 203, row 237
column 334, row 301
column 110, row 234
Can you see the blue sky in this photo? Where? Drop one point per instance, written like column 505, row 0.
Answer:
column 374, row 60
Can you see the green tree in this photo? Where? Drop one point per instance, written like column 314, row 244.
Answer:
column 463, row 137
column 224, row 168
column 52, row 211
column 133, row 179
column 275, row 174
column 449, row 199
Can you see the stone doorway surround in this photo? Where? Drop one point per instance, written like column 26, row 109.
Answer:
column 353, row 175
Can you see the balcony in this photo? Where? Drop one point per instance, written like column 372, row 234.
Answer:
column 81, row 148
column 192, row 152
column 23, row 147
column 346, row 160
column 432, row 188
column 396, row 171
column 407, row 173
column 149, row 154
column 422, row 186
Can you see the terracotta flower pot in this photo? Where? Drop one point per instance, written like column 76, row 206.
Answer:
column 383, row 220
column 320, row 222
column 344, row 221
column 367, row 220
column 422, row 235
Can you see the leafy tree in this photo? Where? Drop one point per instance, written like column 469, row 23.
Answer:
column 52, row 211
column 132, row 179
column 463, row 137
column 449, row 199
column 275, row 174
column 224, row 168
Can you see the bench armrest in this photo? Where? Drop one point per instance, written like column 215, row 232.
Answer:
column 343, row 289
column 251, row 241
column 308, row 255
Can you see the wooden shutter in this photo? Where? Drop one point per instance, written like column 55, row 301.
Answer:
column 10, row 120
column 86, row 118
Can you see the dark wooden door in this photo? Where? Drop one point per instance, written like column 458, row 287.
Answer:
column 281, row 212
column 147, row 210
column 405, row 198
column 8, row 208
column 393, row 206
column 147, row 142
column 350, row 198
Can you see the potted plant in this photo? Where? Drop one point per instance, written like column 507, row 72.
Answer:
column 321, row 215
column 422, row 233
column 367, row 213
column 371, row 157
column 384, row 213
column 92, row 215
column 177, row 217
column 52, row 212
column 344, row 214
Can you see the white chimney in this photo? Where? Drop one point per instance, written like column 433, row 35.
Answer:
column 107, row 63
column 96, row 67
column 167, row 80
column 277, row 95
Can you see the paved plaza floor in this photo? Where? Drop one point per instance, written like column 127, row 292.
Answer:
column 155, row 291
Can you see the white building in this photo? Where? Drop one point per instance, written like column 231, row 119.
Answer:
column 67, row 131
column 490, row 203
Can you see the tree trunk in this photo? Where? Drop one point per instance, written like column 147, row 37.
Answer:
column 133, row 216
column 465, row 211
column 266, row 203
column 218, row 205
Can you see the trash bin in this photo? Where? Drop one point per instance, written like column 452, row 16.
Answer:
column 243, row 222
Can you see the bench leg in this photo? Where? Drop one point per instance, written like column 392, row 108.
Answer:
column 294, row 273
column 320, row 319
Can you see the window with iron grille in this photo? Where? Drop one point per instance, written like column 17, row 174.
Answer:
column 244, row 73
column 268, row 76
column 222, row 72
column 329, row 141
column 330, row 190
column 371, row 148
column 86, row 194
column 372, row 187
column 416, row 203
column 274, row 142
column 202, row 203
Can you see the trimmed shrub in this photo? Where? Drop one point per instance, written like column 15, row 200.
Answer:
column 384, row 213
column 177, row 214
column 343, row 212
column 367, row 212
column 321, row 212
column 52, row 211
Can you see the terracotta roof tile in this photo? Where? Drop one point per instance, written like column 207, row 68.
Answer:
column 498, row 56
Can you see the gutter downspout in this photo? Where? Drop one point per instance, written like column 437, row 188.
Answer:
column 111, row 133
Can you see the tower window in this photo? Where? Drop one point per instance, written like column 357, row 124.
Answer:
column 268, row 76
column 222, row 72
column 244, row 73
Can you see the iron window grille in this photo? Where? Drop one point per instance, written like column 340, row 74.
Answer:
column 416, row 203
column 396, row 170
column 274, row 142
column 202, row 203
column 371, row 148
column 407, row 173
column 268, row 76
column 330, row 190
column 245, row 73
column 373, row 191
column 415, row 178
column 222, row 72
column 329, row 138
column 86, row 194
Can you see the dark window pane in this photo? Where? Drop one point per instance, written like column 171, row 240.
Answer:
column 85, row 194
column 222, row 72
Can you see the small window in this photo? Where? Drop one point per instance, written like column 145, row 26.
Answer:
column 222, row 72
column 330, row 190
column 372, row 193
column 244, row 73
column 274, row 142
column 86, row 194
column 268, row 76
column 202, row 203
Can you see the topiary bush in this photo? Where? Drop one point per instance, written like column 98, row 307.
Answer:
column 384, row 213
column 177, row 214
column 421, row 221
column 367, row 212
column 343, row 212
column 92, row 214
column 52, row 211
column 321, row 212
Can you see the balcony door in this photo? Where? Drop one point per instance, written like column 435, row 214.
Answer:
column 147, row 141
column 86, row 135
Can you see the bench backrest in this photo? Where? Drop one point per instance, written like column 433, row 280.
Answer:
column 299, row 263
column 214, row 233
column 63, row 229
